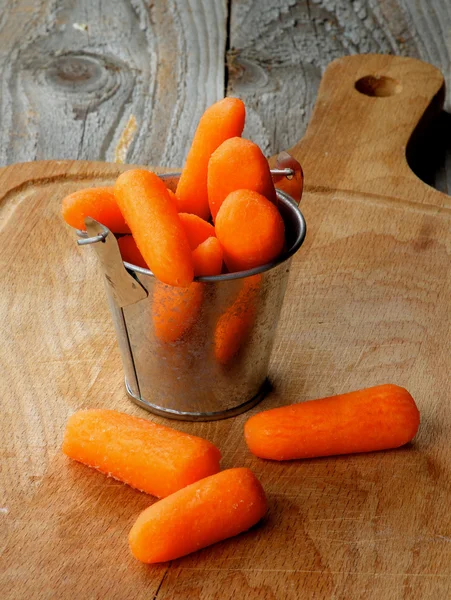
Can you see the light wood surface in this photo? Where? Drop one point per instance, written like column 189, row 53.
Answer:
column 356, row 137
column 367, row 303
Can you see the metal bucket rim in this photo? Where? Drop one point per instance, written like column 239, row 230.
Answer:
column 296, row 214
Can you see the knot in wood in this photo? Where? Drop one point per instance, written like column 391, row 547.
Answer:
column 76, row 72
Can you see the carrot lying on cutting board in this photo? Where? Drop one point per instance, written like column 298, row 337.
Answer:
column 250, row 230
column 222, row 120
column 238, row 164
column 207, row 258
column 201, row 514
column 197, row 230
column 235, row 324
column 149, row 457
column 98, row 203
column 156, row 227
column 130, row 253
column 175, row 310
column 375, row 418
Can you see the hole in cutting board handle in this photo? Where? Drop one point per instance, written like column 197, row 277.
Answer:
column 378, row 86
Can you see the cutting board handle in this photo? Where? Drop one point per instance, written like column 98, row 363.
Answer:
column 367, row 108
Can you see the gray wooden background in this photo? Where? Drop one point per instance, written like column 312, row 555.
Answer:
column 127, row 80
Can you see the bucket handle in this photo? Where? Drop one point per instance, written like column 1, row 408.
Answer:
column 124, row 288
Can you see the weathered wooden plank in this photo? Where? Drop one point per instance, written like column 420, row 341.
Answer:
column 78, row 74
column 279, row 49
column 90, row 80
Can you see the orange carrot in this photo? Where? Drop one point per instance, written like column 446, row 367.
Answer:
column 197, row 230
column 222, row 120
column 130, row 253
column 175, row 310
column 235, row 324
column 294, row 185
column 238, row 164
column 207, row 258
column 172, row 196
column 250, row 230
column 201, row 514
column 372, row 419
column 144, row 201
column 98, row 203
column 149, row 457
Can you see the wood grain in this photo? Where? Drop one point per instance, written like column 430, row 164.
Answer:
column 367, row 120
column 76, row 74
column 280, row 48
column 128, row 81
column 367, row 303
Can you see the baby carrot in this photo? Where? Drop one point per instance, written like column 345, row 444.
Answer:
column 375, row 418
column 207, row 258
column 234, row 325
column 197, row 230
column 238, row 164
column 172, row 196
column 294, row 185
column 155, row 225
column 175, row 310
column 201, row 514
column 250, row 230
column 222, row 120
column 98, row 203
column 149, row 457
column 130, row 253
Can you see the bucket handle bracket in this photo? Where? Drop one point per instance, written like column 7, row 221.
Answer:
column 124, row 288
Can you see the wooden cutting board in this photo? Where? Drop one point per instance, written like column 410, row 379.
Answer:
column 368, row 302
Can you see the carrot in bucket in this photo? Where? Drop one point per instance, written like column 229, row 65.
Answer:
column 130, row 253
column 235, row 324
column 238, row 164
column 197, row 230
column 250, row 230
column 156, row 227
column 98, row 203
column 222, row 120
column 175, row 310
column 207, row 258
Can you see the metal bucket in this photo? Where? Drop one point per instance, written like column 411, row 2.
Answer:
column 199, row 353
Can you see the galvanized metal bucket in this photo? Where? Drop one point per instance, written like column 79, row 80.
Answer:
column 199, row 353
